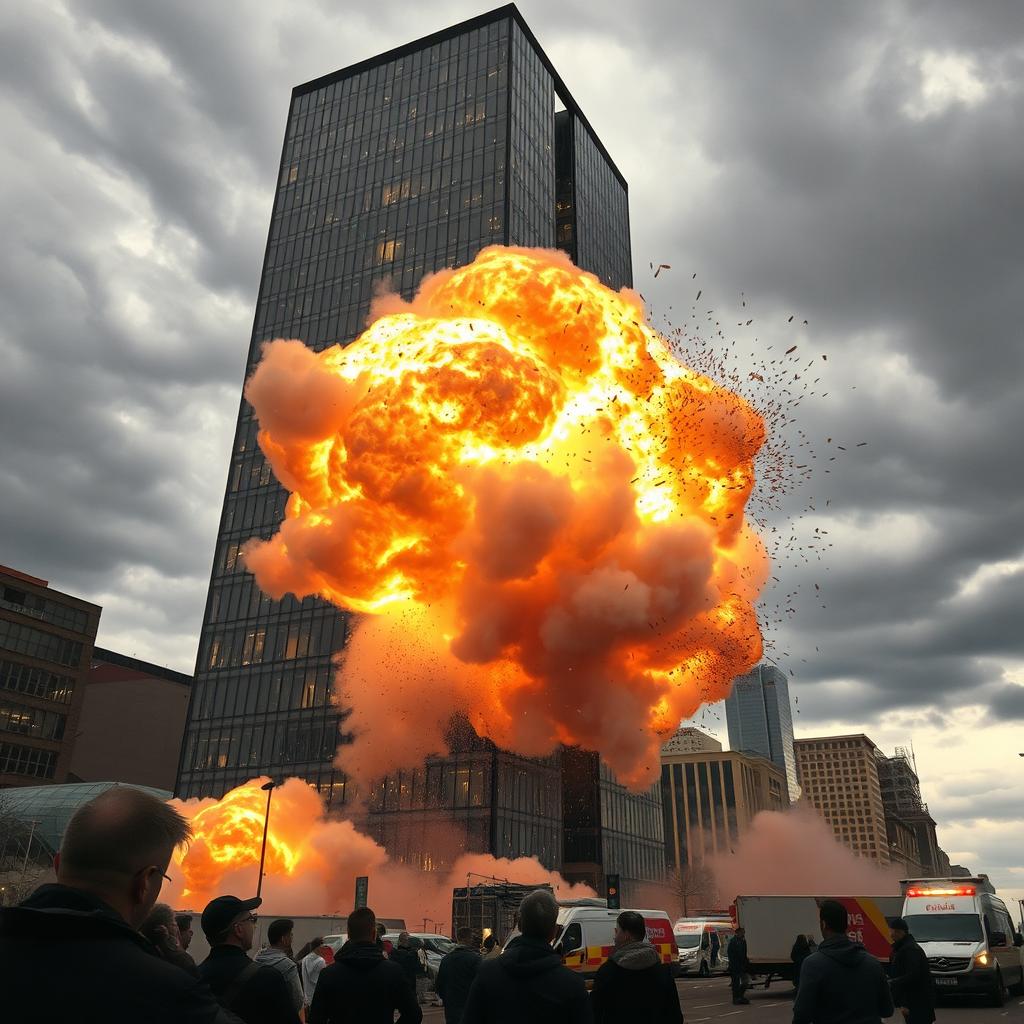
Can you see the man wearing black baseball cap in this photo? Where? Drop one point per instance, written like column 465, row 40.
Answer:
column 257, row 994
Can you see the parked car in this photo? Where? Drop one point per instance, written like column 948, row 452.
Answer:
column 435, row 945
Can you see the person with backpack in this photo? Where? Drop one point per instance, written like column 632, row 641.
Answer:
column 256, row 993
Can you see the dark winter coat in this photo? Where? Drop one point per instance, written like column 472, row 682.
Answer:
column 798, row 954
column 262, row 998
column 408, row 959
column 107, row 971
column 454, row 980
column 634, row 985
column 911, row 981
column 841, row 984
column 737, row 954
column 527, row 984
column 363, row 987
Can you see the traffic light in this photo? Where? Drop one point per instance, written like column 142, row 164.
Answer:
column 611, row 891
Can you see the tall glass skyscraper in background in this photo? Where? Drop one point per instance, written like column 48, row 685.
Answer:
column 760, row 719
column 393, row 168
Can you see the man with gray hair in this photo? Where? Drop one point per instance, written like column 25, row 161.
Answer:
column 528, row 982
column 111, row 865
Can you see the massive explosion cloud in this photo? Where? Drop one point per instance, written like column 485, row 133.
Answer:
column 537, row 507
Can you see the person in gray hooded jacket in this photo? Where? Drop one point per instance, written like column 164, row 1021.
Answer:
column 278, row 954
column 842, row 983
column 633, row 984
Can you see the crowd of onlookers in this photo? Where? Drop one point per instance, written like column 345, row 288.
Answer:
column 96, row 946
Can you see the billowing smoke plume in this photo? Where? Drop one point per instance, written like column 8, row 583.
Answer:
column 793, row 853
column 540, row 509
column 312, row 861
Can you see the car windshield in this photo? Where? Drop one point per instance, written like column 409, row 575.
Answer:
column 440, row 944
column 945, row 927
column 687, row 940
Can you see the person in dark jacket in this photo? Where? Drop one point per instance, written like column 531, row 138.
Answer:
column 528, row 984
column 110, row 869
column 739, row 966
column 798, row 954
column 362, row 986
column 405, row 955
column 910, row 978
column 633, row 984
column 841, row 983
column 255, row 992
column 455, row 975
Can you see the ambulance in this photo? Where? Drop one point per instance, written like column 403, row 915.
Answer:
column 585, row 937
column 967, row 934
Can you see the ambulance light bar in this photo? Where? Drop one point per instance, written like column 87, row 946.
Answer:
column 955, row 890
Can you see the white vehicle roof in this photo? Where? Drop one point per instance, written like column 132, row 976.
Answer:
column 602, row 913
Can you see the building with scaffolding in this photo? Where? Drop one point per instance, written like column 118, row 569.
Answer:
column 909, row 826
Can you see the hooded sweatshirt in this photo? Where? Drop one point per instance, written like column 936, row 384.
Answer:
column 281, row 961
column 363, row 987
column 841, row 984
column 528, row 982
column 634, row 985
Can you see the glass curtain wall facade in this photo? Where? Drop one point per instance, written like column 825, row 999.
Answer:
column 760, row 720
column 393, row 168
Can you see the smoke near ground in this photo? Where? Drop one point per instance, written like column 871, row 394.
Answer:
column 312, row 861
column 538, row 508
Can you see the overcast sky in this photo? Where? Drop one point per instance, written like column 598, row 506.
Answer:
column 855, row 165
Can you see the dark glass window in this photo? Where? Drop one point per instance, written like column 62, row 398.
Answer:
column 18, row 760
column 34, row 643
column 36, row 682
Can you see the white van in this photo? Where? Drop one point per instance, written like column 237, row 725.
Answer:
column 967, row 934
column 702, row 943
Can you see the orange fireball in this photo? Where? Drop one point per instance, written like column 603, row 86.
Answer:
column 524, row 488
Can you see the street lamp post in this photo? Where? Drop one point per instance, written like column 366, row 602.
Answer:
column 269, row 787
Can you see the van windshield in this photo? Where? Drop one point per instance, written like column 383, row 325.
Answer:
column 945, row 927
column 687, row 940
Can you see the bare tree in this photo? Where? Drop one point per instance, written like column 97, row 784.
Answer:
column 693, row 887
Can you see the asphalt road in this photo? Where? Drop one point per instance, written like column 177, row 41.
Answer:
column 708, row 999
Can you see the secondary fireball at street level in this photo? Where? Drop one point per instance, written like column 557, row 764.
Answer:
column 540, row 509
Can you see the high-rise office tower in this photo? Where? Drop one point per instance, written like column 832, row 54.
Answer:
column 392, row 168
column 839, row 775
column 760, row 719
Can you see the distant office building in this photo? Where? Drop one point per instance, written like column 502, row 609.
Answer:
column 392, row 169
column 132, row 722
column 903, row 847
column 839, row 776
column 46, row 641
column 959, row 871
column 760, row 720
column 709, row 799
column 906, row 811
column 689, row 740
